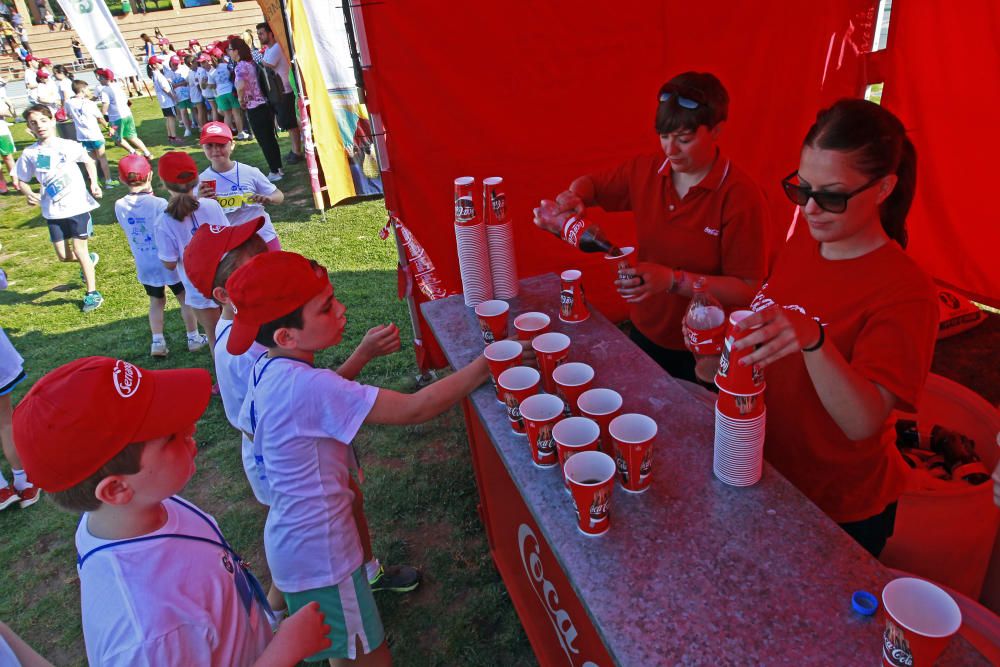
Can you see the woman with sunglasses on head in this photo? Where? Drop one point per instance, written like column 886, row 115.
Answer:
column 696, row 214
column 846, row 320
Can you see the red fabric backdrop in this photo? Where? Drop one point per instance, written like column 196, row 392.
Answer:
column 539, row 94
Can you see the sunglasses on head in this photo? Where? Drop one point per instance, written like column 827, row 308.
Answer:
column 831, row 202
column 685, row 102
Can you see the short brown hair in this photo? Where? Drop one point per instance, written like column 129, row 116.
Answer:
column 236, row 258
column 82, row 497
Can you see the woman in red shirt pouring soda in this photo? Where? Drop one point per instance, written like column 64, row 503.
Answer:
column 696, row 215
column 845, row 321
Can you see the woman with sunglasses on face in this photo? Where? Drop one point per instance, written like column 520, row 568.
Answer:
column 846, row 320
column 696, row 214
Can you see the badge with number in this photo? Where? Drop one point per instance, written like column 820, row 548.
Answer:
column 233, row 201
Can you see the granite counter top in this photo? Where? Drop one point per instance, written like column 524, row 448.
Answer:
column 692, row 572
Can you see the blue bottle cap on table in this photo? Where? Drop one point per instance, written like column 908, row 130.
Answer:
column 864, row 603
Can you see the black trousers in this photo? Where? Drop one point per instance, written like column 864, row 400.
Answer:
column 872, row 533
column 679, row 363
column 262, row 121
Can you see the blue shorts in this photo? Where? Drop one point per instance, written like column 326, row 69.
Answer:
column 76, row 227
column 93, row 145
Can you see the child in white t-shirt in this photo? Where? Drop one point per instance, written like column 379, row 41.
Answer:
column 114, row 102
column 304, row 419
column 137, row 213
column 7, row 146
column 159, row 583
column 20, row 491
column 240, row 189
column 194, row 77
column 183, row 215
column 89, row 121
column 65, row 202
column 166, row 98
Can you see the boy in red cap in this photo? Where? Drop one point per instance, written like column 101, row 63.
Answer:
column 166, row 97
column 64, row 198
column 242, row 190
column 303, row 419
column 114, row 103
column 184, row 214
column 159, row 584
column 137, row 213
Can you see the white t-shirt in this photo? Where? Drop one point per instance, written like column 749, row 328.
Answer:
column 11, row 363
column 178, row 80
column 48, row 93
column 248, row 180
column 232, row 372
column 275, row 57
column 305, row 421
column 84, row 114
column 65, row 87
column 137, row 214
column 172, row 237
column 163, row 89
column 222, row 78
column 208, row 83
column 168, row 601
column 117, row 101
column 64, row 192
column 5, row 128
column 194, row 90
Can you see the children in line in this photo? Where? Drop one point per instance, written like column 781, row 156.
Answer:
column 137, row 213
column 159, row 583
column 64, row 197
column 89, row 121
column 304, row 419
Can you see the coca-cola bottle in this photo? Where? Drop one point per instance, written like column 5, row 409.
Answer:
column 572, row 227
column 704, row 330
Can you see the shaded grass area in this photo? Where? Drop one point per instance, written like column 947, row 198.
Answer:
column 420, row 493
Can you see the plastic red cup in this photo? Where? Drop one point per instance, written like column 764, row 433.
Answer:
column 500, row 356
column 571, row 380
column 572, row 307
column 552, row 351
column 529, row 325
column 574, row 435
column 623, row 266
column 601, row 405
column 920, row 619
column 591, row 478
column 493, row 319
column 633, row 435
column 741, row 407
column 732, row 376
column 517, row 384
column 540, row 413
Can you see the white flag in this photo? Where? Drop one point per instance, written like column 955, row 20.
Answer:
column 100, row 34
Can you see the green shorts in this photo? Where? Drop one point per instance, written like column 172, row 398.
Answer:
column 183, row 104
column 350, row 612
column 93, row 145
column 226, row 101
column 6, row 145
column 125, row 128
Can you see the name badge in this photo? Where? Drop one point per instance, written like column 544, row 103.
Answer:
column 233, row 201
column 44, row 161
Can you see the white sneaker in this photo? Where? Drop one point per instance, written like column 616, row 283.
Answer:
column 195, row 344
column 187, row 133
column 275, row 176
column 158, row 349
column 243, row 136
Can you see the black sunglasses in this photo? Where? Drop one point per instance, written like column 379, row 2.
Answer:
column 831, row 202
column 685, row 102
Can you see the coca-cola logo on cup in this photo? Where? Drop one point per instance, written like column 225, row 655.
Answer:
column 499, row 203
column 566, row 302
column 126, row 378
column 464, row 209
column 546, row 445
column 647, row 463
column 895, row 648
column 599, row 507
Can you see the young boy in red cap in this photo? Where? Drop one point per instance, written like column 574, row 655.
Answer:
column 159, row 584
column 166, row 97
column 137, row 213
column 184, row 214
column 64, row 198
column 240, row 189
column 114, row 102
column 304, row 419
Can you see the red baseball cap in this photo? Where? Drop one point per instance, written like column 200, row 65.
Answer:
column 209, row 245
column 175, row 60
column 134, row 169
column 81, row 415
column 105, row 73
column 177, row 167
column 217, row 52
column 267, row 287
column 42, row 74
column 155, row 60
column 215, row 132
column 192, row 42
column 29, row 58
column 203, row 57
column 45, row 61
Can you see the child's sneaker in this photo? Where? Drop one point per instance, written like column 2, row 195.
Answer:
column 243, row 136
column 275, row 176
column 8, row 496
column 187, row 133
column 29, row 496
column 159, row 349
column 111, row 183
column 197, row 342
column 92, row 301
column 396, row 578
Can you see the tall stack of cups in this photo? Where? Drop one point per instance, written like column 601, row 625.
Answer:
column 499, row 239
column 740, row 414
column 470, row 233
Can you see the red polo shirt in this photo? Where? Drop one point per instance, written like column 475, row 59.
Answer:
column 880, row 311
column 717, row 229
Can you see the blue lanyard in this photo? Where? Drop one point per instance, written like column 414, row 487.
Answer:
column 194, row 224
column 236, row 182
column 256, row 381
column 247, row 585
column 219, row 337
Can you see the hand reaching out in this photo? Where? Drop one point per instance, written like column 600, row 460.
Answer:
column 782, row 332
column 380, row 341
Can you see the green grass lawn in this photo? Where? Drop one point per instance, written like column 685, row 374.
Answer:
column 420, row 493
